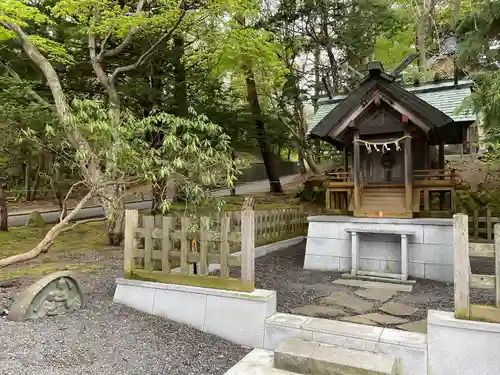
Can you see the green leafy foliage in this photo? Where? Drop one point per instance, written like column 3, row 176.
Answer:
column 194, row 153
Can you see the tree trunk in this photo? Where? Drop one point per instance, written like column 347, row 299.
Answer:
column 421, row 36
column 233, row 158
column 302, row 165
column 455, row 13
column 180, row 77
column 4, row 225
column 27, row 177
column 289, row 154
column 310, row 162
column 317, row 78
column 262, row 138
column 114, row 211
column 55, row 183
column 39, row 169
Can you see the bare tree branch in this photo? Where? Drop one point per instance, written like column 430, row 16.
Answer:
column 32, row 92
column 124, row 43
column 151, row 50
column 96, row 62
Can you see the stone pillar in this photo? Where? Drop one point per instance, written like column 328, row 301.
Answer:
column 404, row 257
column 354, row 253
column 408, row 172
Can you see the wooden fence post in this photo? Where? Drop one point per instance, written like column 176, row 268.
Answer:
column 185, row 245
column 475, row 222
column 166, row 244
column 224, row 246
column 461, row 265
column 497, row 262
column 204, row 232
column 149, row 223
column 248, row 244
column 131, row 222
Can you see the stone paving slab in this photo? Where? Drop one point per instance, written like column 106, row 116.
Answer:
column 318, row 311
column 358, row 319
column 381, row 295
column 383, row 319
column 345, row 300
column 374, row 285
column 399, row 309
column 420, row 326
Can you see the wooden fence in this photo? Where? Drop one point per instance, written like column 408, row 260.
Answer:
column 464, row 280
column 481, row 227
column 155, row 245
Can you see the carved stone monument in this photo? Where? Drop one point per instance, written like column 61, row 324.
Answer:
column 56, row 294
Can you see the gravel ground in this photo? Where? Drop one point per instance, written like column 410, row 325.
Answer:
column 105, row 338
column 282, row 271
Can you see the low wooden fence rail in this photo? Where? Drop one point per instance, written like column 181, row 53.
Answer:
column 464, row 280
column 481, row 227
column 156, row 245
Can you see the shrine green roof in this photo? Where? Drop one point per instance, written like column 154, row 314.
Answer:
column 444, row 96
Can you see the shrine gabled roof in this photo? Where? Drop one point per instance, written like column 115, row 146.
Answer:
column 445, row 100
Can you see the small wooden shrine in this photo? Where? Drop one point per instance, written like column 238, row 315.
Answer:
column 393, row 142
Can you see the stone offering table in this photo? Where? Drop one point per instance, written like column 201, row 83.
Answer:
column 355, row 239
column 429, row 246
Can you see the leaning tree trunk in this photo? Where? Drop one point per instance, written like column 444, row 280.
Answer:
column 45, row 244
column 4, row 225
column 262, row 138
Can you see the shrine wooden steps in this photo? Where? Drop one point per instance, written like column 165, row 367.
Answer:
column 385, row 201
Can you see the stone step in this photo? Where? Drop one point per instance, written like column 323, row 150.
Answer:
column 257, row 362
column 313, row 358
column 378, row 278
column 403, row 214
column 246, row 368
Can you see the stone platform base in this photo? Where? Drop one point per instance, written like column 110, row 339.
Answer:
column 430, row 248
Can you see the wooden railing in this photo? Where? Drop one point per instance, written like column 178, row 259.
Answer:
column 435, row 174
column 340, row 177
column 464, row 280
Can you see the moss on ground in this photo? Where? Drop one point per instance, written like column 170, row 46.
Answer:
column 89, row 236
column 63, row 255
column 39, row 270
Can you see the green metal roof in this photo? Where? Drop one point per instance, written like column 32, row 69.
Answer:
column 445, row 96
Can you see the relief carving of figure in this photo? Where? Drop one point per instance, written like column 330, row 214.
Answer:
column 59, row 301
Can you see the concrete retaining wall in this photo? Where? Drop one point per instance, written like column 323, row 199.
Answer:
column 462, row 347
column 235, row 316
column 430, row 251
